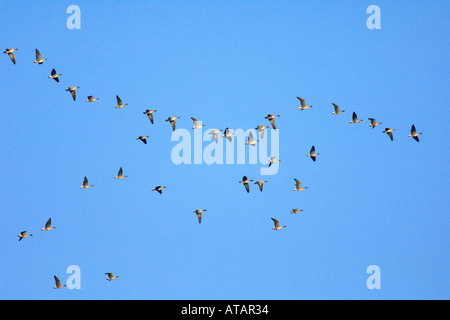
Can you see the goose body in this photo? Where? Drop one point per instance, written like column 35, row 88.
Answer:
column 58, row 284
column 159, row 189
column 120, row 174
column 271, row 117
column 197, row 123
column 149, row 114
column 172, row 122
column 277, row 224
column 24, row 234
column 260, row 184
column 355, row 118
column 39, row 58
column 298, row 186
column 54, row 75
column 261, row 130
column 251, row 141
column 296, row 211
column 336, row 109
column 48, row 225
column 119, row 103
column 313, row 154
column 86, row 184
column 414, row 134
column 245, row 181
column 227, row 134
column 10, row 53
column 303, row 105
column 111, row 276
column 215, row 134
column 374, row 123
column 143, row 139
column 73, row 92
column 198, row 212
column 272, row 160
column 388, row 131
column 91, row 99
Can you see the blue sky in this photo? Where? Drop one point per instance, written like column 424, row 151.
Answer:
column 229, row 63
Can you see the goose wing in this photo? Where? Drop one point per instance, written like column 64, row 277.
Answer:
column 302, row 102
column 49, row 223
column 119, row 101
column 276, row 222
column 38, row 55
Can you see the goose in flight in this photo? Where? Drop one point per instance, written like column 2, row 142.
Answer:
column 149, row 114
column 159, row 189
column 86, row 184
column 245, row 181
column 197, row 124
column 120, row 174
column 111, row 276
column 172, row 122
column 273, row 160
column 48, row 225
column 24, row 234
column 119, row 103
column 296, row 211
column 271, row 117
column 355, row 118
column 414, row 134
column 261, row 130
column 277, row 224
column 303, row 105
column 251, row 141
column 58, row 283
column 215, row 134
column 336, row 109
column 313, row 154
column 298, row 186
column 91, row 99
column 388, row 131
column 143, row 139
column 199, row 214
column 260, row 184
column 227, row 134
column 10, row 53
column 38, row 58
column 374, row 123
column 54, row 75
column 73, row 92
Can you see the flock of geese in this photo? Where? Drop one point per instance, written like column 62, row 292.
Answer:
column 216, row 134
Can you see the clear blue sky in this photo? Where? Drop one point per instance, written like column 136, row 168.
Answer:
column 229, row 63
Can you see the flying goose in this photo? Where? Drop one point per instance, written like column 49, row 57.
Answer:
column 313, row 154
column 197, row 124
column 119, row 103
column 54, row 75
column 199, row 214
column 159, row 189
column 73, row 92
column 277, row 224
column 38, row 58
column 111, row 276
column 261, row 129
column 336, row 109
column 245, row 181
column 149, row 114
column 172, row 122
column 374, row 123
column 303, row 105
column 260, row 184
column 47, row 225
column 271, row 117
column 389, row 133
column 227, row 134
column 273, row 160
column 86, row 184
column 24, row 234
column 251, row 141
column 215, row 134
column 296, row 210
column 298, row 186
column 355, row 118
column 414, row 134
column 120, row 175
column 91, row 99
column 58, row 283
column 10, row 53
column 143, row 139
